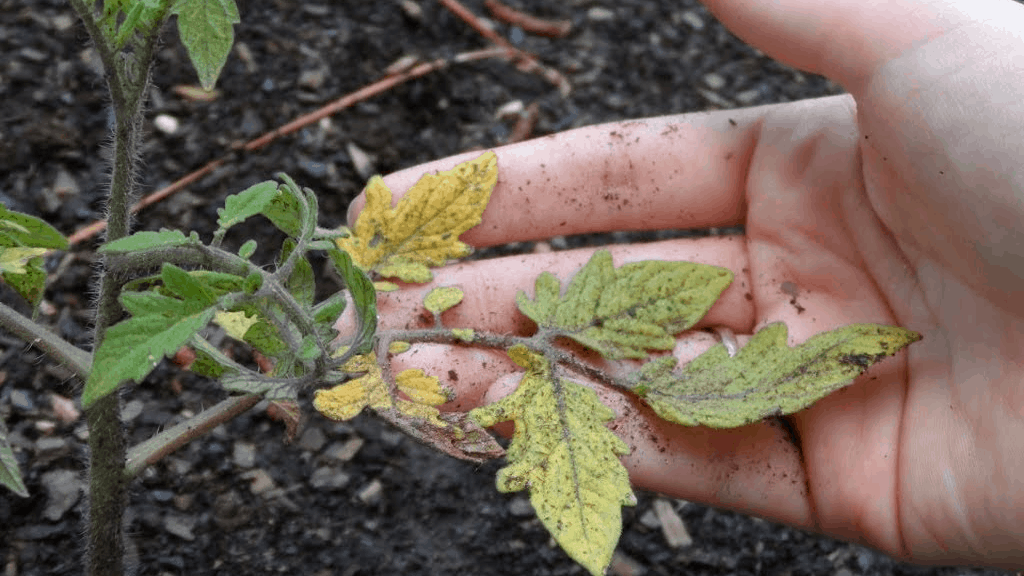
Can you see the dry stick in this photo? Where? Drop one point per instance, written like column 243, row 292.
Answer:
column 346, row 101
column 531, row 24
column 527, row 62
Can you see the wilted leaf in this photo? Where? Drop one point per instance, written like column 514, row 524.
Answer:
column 440, row 299
column 766, row 377
column 563, row 453
column 624, row 312
column 424, row 228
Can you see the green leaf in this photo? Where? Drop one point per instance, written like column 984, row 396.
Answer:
column 364, row 296
column 266, row 338
column 246, row 250
column 300, row 283
column 206, row 29
column 219, row 282
column 132, row 348
column 10, row 475
column 247, row 203
column 285, row 211
column 147, row 240
column 328, row 311
column 423, row 230
column 766, row 377
column 440, row 299
column 185, row 286
column 563, row 453
column 624, row 312
column 17, row 229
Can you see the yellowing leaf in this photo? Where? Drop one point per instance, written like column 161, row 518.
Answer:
column 398, row 347
column 347, row 400
column 15, row 259
column 464, row 334
column 383, row 286
column 440, row 299
column 623, row 312
column 563, row 453
column 423, row 230
column 766, row 377
column 341, row 402
column 236, row 324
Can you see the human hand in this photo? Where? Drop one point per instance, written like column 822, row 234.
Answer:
column 900, row 203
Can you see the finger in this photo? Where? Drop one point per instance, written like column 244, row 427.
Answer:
column 846, row 40
column 683, row 171
column 491, row 286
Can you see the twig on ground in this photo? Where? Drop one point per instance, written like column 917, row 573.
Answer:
column 531, row 24
column 526, row 62
column 524, row 125
column 346, row 101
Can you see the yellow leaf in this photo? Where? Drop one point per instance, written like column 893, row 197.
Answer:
column 341, row 402
column 347, row 400
column 565, row 456
column 383, row 286
column 421, row 388
column 236, row 324
column 398, row 346
column 14, row 259
column 423, row 230
column 464, row 334
column 440, row 299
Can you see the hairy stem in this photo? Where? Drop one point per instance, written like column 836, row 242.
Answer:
column 127, row 76
column 64, row 352
column 152, row 450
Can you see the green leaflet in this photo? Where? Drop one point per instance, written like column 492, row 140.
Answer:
column 148, row 240
column 766, row 377
column 17, row 229
column 158, row 327
column 623, row 312
column 363, row 294
column 563, row 453
column 247, row 203
column 206, row 29
column 10, row 475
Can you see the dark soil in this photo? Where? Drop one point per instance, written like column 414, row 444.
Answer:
column 355, row 498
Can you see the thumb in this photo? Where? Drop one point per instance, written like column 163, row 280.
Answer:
column 845, row 40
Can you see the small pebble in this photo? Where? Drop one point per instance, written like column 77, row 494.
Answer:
column 166, row 123
column 244, row 454
column 180, row 526
column 371, row 493
column 598, row 14
column 328, row 478
column 695, row 21
column 313, row 439
column 344, row 451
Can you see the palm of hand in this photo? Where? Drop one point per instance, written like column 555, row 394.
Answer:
column 908, row 459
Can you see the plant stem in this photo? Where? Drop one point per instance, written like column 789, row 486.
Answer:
column 127, row 76
column 69, row 355
column 152, row 450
